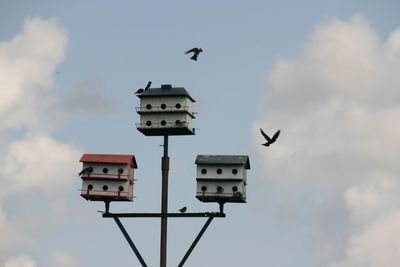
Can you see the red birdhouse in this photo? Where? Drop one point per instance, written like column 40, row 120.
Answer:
column 107, row 177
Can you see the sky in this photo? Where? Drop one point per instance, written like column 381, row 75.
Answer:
column 325, row 73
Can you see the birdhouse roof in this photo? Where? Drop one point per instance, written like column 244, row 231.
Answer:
column 108, row 158
column 223, row 160
column 166, row 90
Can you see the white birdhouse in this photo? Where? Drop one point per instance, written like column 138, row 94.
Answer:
column 107, row 177
column 222, row 178
column 165, row 111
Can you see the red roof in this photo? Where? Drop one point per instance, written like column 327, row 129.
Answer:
column 109, row 158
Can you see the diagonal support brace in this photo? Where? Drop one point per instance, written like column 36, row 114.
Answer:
column 195, row 241
column 126, row 235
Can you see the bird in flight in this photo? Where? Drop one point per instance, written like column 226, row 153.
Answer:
column 86, row 170
column 270, row 140
column 183, row 210
column 141, row 90
column 196, row 51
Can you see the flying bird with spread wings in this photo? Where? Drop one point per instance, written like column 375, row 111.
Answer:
column 269, row 139
column 196, row 51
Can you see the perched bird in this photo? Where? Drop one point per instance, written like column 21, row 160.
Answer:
column 86, row 170
column 270, row 140
column 141, row 90
column 180, row 123
column 147, row 86
column 183, row 210
column 196, row 51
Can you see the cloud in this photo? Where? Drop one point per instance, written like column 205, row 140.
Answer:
column 36, row 161
column 23, row 170
column 375, row 208
column 62, row 258
column 32, row 161
column 27, row 63
column 20, row 261
column 12, row 236
column 337, row 107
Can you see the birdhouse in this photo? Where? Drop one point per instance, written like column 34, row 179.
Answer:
column 165, row 111
column 222, row 178
column 107, row 177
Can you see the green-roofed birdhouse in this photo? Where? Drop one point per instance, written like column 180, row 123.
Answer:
column 222, row 178
column 165, row 111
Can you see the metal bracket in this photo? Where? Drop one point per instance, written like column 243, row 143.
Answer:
column 195, row 241
column 127, row 237
column 209, row 215
column 158, row 215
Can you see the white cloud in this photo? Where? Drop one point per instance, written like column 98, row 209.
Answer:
column 377, row 245
column 12, row 236
column 374, row 198
column 20, row 261
column 375, row 208
column 38, row 163
column 27, row 64
column 61, row 258
column 337, row 107
column 32, row 161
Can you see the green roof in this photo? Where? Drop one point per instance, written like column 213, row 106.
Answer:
column 166, row 90
column 223, row 160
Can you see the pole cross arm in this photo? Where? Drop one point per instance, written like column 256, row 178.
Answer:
column 158, row 215
column 209, row 215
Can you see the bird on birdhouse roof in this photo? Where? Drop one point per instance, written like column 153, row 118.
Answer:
column 269, row 139
column 147, row 86
column 141, row 90
column 196, row 51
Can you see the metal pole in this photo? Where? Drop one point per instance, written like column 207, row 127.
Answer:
column 164, row 204
column 126, row 235
column 195, row 241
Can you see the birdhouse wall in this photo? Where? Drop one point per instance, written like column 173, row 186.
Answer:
column 167, row 104
column 113, row 190
column 221, row 191
column 107, row 181
column 166, row 120
column 109, row 170
column 221, row 172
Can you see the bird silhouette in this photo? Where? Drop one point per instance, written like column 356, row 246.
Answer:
column 141, row 90
column 196, row 51
column 86, row 170
column 180, row 123
column 270, row 140
column 183, row 210
column 147, row 86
